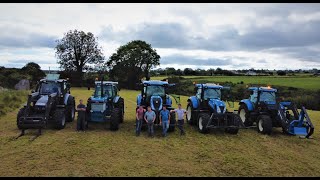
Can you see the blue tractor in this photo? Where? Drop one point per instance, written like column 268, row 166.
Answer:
column 206, row 110
column 105, row 105
column 49, row 104
column 266, row 112
column 154, row 94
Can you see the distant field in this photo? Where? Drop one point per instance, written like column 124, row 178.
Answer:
column 306, row 82
column 100, row 152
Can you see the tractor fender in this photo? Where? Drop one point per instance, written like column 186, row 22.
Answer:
column 116, row 99
column 139, row 99
column 66, row 98
column 194, row 101
column 248, row 103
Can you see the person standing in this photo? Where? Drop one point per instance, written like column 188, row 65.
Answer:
column 150, row 117
column 164, row 120
column 139, row 118
column 81, row 121
column 180, row 113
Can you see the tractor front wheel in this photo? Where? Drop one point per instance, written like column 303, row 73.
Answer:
column 203, row 122
column 20, row 114
column 245, row 115
column 59, row 118
column 264, row 124
column 190, row 114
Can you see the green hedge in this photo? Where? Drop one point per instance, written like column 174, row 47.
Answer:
column 11, row 100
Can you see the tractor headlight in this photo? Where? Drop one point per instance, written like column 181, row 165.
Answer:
column 218, row 109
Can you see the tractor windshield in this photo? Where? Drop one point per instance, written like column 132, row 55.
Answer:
column 107, row 91
column 267, row 96
column 155, row 90
column 212, row 94
column 49, row 87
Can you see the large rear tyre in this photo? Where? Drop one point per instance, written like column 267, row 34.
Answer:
column 190, row 114
column 121, row 107
column 115, row 119
column 172, row 122
column 20, row 114
column 70, row 109
column 244, row 115
column 59, row 118
column 203, row 122
column 264, row 124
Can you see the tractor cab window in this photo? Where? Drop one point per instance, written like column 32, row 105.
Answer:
column 155, row 90
column 115, row 90
column 107, row 91
column 267, row 96
column 199, row 93
column 49, row 87
column 254, row 96
column 212, row 94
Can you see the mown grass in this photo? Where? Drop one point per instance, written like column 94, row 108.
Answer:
column 305, row 82
column 101, row 152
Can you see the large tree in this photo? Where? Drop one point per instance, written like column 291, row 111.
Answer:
column 34, row 71
column 77, row 50
column 132, row 62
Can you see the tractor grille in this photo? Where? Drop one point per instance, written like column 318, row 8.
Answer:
column 156, row 103
column 98, row 106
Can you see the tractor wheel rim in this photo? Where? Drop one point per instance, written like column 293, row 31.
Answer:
column 200, row 123
column 260, row 125
column 243, row 115
column 189, row 113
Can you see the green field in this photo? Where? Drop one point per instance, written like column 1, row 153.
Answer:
column 305, row 82
column 100, row 152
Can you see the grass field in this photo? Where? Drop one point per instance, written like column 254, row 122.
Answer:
column 305, row 82
column 100, row 152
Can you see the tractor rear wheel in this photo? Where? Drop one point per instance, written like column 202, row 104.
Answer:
column 115, row 119
column 70, row 109
column 59, row 117
column 172, row 122
column 121, row 107
column 264, row 124
column 203, row 122
column 190, row 114
column 20, row 114
column 245, row 115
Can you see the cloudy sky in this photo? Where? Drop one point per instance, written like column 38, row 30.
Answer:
column 229, row 36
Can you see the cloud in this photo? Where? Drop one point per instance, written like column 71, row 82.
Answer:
column 187, row 60
column 19, row 37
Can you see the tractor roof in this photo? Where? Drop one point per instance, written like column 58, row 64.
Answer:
column 106, row 82
column 51, row 80
column 155, row 82
column 210, row 85
column 267, row 89
column 53, row 77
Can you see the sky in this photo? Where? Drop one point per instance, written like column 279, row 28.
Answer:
column 185, row 35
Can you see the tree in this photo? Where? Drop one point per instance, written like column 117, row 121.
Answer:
column 34, row 71
column 132, row 62
column 77, row 50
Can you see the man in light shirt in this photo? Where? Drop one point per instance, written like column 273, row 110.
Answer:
column 181, row 112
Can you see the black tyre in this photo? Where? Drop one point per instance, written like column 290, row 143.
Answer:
column 203, row 122
column 244, row 115
column 59, row 117
column 70, row 114
column 191, row 119
column 121, row 107
column 115, row 119
column 264, row 124
column 172, row 122
column 20, row 114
